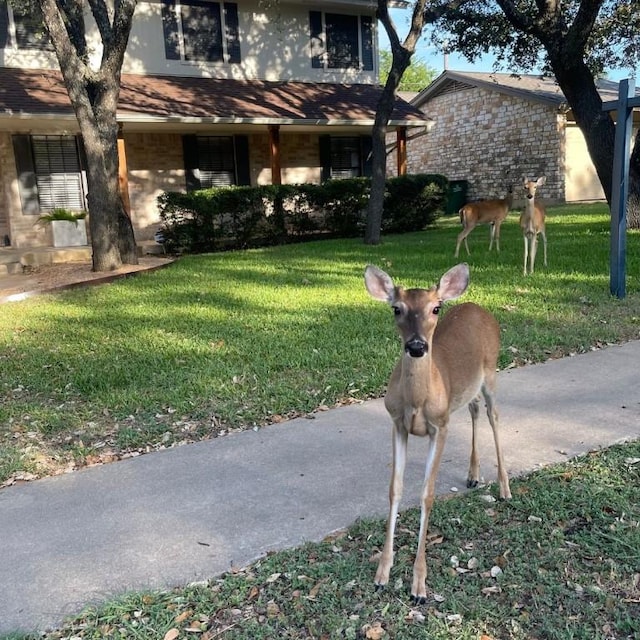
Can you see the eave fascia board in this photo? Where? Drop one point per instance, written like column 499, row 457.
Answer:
column 265, row 122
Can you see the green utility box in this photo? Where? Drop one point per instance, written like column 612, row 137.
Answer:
column 457, row 195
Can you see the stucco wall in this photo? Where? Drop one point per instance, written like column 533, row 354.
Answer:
column 491, row 140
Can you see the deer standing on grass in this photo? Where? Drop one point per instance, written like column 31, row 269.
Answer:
column 492, row 212
column 443, row 367
column 532, row 223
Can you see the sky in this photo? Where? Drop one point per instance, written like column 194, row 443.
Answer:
column 435, row 59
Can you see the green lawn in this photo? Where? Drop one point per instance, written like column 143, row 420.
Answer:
column 233, row 340
column 567, row 547
column 229, row 341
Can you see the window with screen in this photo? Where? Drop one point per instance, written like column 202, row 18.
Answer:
column 340, row 41
column 201, row 31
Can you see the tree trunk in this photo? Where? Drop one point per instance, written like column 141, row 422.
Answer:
column 112, row 236
column 379, row 165
column 94, row 96
column 578, row 87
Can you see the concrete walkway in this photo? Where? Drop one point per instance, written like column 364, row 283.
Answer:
column 193, row 512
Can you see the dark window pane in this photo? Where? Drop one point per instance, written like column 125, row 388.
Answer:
column 342, row 41
column 216, row 161
column 202, row 31
column 30, row 30
column 345, row 157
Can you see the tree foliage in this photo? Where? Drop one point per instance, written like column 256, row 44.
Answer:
column 575, row 40
column 417, row 76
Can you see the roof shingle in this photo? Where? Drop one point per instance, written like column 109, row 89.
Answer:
column 42, row 92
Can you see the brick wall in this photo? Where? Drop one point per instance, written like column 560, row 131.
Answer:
column 299, row 158
column 491, row 140
column 21, row 229
column 155, row 165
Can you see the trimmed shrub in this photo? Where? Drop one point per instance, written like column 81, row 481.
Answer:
column 413, row 202
column 241, row 217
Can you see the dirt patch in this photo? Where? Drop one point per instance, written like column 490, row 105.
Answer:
column 59, row 276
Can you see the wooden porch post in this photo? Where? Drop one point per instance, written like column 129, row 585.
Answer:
column 401, row 139
column 274, row 151
column 123, row 173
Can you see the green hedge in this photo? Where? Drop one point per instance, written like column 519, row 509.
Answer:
column 240, row 217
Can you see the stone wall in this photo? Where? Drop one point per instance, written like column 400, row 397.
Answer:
column 491, row 140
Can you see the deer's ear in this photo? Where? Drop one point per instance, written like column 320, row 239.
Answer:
column 454, row 282
column 541, row 181
column 379, row 284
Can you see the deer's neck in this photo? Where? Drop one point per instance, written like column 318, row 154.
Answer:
column 419, row 376
column 530, row 206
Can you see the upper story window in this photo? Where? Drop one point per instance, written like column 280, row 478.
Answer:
column 341, row 41
column 23, row 26
column 201, row 31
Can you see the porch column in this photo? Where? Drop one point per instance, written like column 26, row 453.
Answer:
column 123, row 173
column 274, row 151
column 401, row 139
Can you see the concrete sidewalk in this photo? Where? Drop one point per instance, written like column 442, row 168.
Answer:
column 193, row 512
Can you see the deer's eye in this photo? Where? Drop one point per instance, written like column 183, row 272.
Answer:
column 436, row 310
column 396, row 310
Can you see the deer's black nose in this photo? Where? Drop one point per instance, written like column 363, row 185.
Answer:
column 415, row 347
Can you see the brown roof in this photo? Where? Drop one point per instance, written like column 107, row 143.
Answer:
column 40, row 92
column 535, row 88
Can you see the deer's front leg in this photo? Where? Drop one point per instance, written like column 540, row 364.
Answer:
column 434, row 454
column 399, row 436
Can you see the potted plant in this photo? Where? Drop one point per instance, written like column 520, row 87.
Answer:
column 69, row 227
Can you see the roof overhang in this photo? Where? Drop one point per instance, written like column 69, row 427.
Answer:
column 40, row 98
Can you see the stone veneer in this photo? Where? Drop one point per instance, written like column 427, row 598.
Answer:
column 490, row 140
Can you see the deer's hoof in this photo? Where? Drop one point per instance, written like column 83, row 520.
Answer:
column 472, row 483
column 418, row 599
column 380, row 587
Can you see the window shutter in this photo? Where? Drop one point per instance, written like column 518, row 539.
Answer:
column 232, row 32
column 58, row 175
column 26, row 175
column 315, row 24
column 170, row 30
column 190, row 157
column 366, row 145
column 243, row 168
column 4, row 24
column 325, row 157
column 366, row 35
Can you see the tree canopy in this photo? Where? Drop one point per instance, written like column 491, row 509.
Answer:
column 523, row 34
column 417, row 76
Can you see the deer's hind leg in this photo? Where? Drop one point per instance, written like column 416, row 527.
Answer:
column 488, row 391
column 473, row 478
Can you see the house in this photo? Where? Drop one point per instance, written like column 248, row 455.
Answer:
column 213, row 93
column 490, row 129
